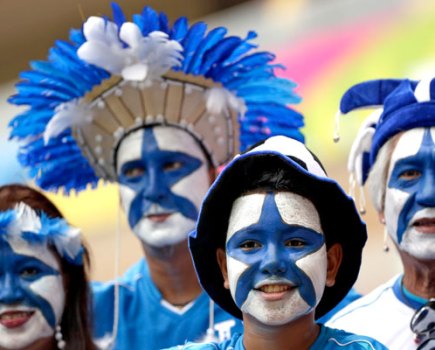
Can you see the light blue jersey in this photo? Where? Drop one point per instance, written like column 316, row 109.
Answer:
column 328, row 339
column 146, row 321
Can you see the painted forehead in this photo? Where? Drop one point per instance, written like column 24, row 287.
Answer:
column 162, row 138
column 293, row 209
column 35, row 250
column 409, row 143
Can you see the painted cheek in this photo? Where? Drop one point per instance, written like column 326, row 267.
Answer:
column 50, row 288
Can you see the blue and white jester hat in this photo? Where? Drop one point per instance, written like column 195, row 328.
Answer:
column 114, row 76
column 23, row 223
column 400, row 105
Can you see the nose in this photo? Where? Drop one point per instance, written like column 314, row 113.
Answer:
column 272, row 263
column 10, row 290
column 156, row 189
column 426, row 193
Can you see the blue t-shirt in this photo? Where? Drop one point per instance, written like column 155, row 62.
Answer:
column 146, row 321
column 350, row 297
column 328, row 339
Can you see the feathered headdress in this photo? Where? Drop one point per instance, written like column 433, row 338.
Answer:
column 113, row 77
column 24, row 223
column 399, row 105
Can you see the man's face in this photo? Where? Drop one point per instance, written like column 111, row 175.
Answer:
column 276, row 256
column 32, row 295
column 163, row 178
column 410, row 194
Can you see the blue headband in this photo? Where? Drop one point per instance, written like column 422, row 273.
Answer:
column 24, row 223
column 114, row 77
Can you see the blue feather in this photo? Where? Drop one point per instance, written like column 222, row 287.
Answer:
column 164, row 23
column 179, row 29
column 214, row 55
column 150, row 19
column 191, row 42
column 212, row 38
column 118, row 15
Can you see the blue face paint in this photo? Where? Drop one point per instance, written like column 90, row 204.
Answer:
column 274, row 249
column 421, row 187
column 159, row 171
column 17, row 274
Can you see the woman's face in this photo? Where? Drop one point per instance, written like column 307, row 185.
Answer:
column 276, row 256
column 410, row 193
column 32, row 293
column 163, row 177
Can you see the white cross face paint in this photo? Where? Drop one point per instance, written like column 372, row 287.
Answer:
column 32, row 295
column 276, row 256
column 410, row 193
column 163, row 178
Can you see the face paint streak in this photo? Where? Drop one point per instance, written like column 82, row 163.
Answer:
column 274, row 258
column 421, row 189
column 162, row 170
column 17, row 275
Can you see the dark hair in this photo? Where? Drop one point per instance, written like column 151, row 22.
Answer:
column 76, row 318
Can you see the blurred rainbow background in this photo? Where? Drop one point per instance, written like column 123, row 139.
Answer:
column 327, row 46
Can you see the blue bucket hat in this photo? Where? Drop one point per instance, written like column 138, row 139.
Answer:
column 338, row 216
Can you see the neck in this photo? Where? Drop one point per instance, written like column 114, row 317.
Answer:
column 419, row 276
column 172, row 272
column 299, row 334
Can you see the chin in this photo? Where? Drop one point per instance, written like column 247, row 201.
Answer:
column 419, row 245
column 170, row 232
column 21, row 337
column 276, row 313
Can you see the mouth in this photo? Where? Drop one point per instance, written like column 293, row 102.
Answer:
column 425, row 225
column 14, row 319
column 273, row 292
column 158, row 218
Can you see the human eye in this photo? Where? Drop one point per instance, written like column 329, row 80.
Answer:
column 250, row 245
column 295, row 243
column 133, row 171
column 29, row 272
column 410, row 174
column 170, row 166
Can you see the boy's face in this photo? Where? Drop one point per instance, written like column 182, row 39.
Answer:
column 276, row 256
column 410, row 193
column 163, row 178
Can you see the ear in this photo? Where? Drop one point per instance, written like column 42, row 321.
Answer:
column 212, row 174
column 334, row 256
column 222, row 261
column 381, row 217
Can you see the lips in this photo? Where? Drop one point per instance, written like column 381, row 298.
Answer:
column 425, row 225
column 158, row 218
column 14, row 319
column 273, row 292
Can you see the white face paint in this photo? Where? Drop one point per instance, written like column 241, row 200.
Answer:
column 276, row 256
column 410, row 193
column 163, row 178
column 32, row 296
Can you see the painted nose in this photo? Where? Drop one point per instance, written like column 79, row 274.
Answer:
column 272, row 263
column 10, row 290
column 156, row 189
column 426, row 193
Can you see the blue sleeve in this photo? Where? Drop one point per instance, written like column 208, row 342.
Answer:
column 103, row 304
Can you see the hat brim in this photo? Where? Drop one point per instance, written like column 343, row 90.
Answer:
column 339, row 219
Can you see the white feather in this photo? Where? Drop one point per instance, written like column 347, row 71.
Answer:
column 72, row 113
column 362, row 144
column 142, row 58
column 220, row 101
column 69, row 243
